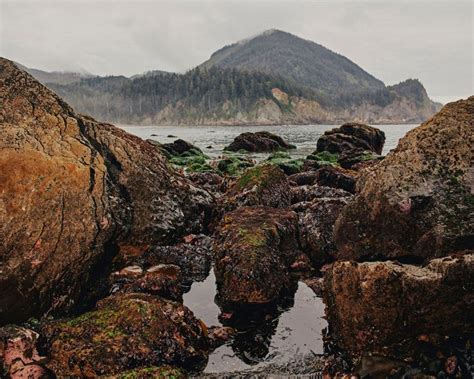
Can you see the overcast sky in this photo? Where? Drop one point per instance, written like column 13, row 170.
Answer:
column 393, row 40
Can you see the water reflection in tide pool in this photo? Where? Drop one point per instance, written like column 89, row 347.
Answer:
column 294, row 329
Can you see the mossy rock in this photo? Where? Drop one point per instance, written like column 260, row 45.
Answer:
column 284, row 160
column 233, row 165
column 264, row 184
column 160, row 372
column 125, row 331
column 324, row 158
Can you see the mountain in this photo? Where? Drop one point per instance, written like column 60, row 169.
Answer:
column 306, row 63
column 56, row 77
column 273, row 78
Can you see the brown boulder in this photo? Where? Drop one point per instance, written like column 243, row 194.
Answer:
column 337, row 177
column 254, row 249
column 265, row 185
column 193, row 257
column 258, row 142
column 384, row 307
column 316, row 221
column 126, row 331
column 74, row 192
column 419, row 201
column 350, row 137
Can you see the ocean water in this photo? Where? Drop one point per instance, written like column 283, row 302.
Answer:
column 212, row 139
column 294, row 328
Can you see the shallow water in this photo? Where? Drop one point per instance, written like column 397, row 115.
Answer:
column 212, row 139
column 294, row 327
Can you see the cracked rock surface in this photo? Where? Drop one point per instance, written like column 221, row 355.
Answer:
column 74, row 193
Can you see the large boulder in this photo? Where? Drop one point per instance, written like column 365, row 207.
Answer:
column 126, row 331
column 351, row 137
column 255, row 246
column 385, row 307
column 419, row 201
column 74, row 192
column 258, row 142
column 265, row 185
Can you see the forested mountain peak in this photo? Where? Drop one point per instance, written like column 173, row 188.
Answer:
column 305, row 62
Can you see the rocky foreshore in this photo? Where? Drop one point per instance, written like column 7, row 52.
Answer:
column 102, row 233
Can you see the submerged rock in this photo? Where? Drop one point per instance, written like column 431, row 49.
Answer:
column 254, row 249
column 419, row 201
column 265, row 185
column 350, row 137
column 385, row 307
column 126, row 331
column 258, row 142
column 74, row 192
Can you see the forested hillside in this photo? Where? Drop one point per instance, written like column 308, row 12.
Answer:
column 272, row 78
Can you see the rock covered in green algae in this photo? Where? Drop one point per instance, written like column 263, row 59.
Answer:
column 265, row 185
column 419, row 201
column 184, row 155
column 254, row 249
column 126, row 331
column 152, row 372
column 234, row 165
column 284, row 160
column 324, row 158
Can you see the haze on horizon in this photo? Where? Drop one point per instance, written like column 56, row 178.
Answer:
column 392, row 40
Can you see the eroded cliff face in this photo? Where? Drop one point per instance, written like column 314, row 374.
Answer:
column 285, row 109
column 73, row 193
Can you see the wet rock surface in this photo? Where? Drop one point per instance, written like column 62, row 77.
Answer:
column 193, row 256
column 384, row 307
column 79, row 191
column 307, row 193
column 418, row 201
column 337, row 177
column 161, row 280
column 258, row 142
column 124, row 332
column 110, row 214
column 316, row 221
column 254, row 249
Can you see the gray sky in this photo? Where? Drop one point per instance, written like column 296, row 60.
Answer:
column 393, row 39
